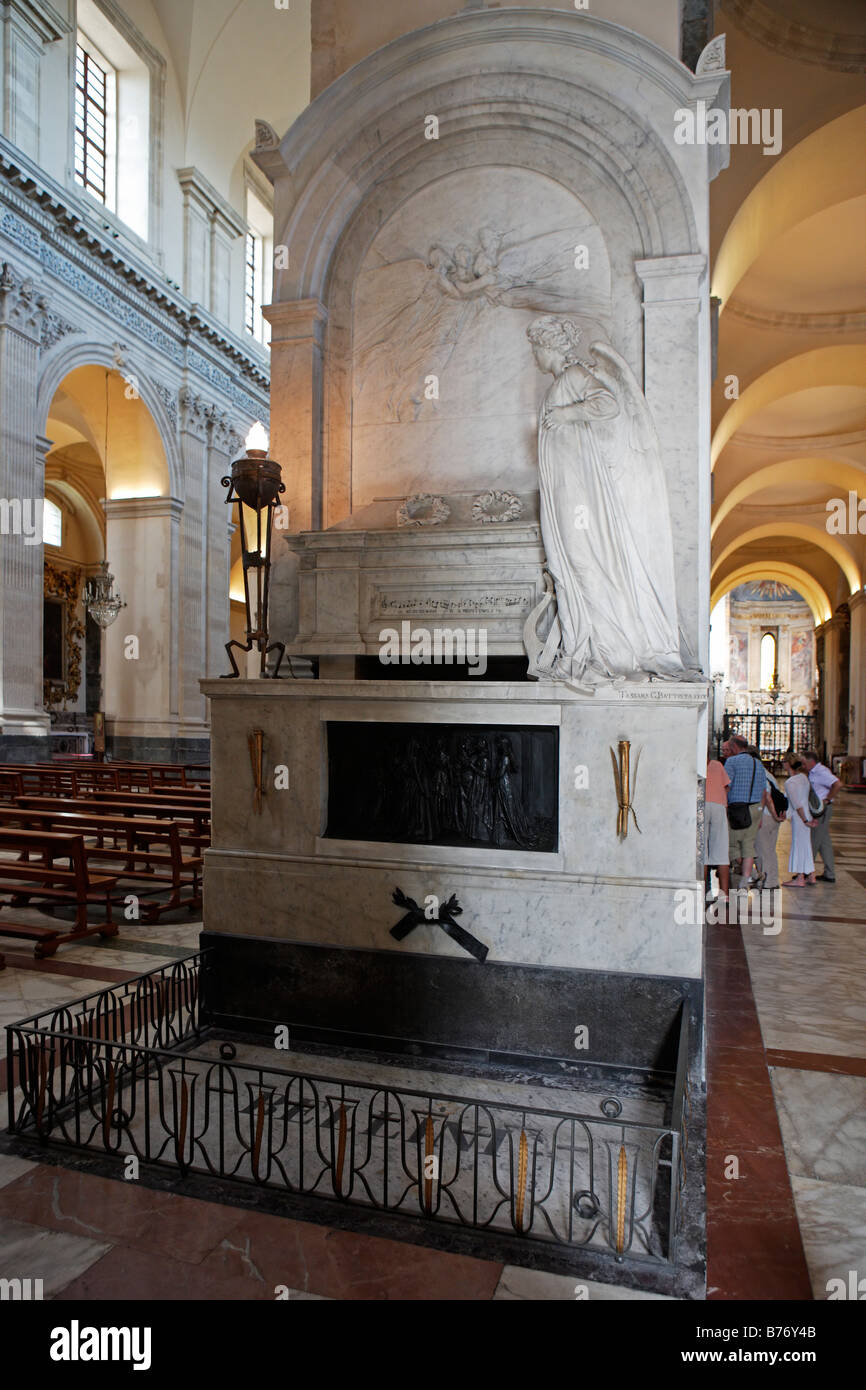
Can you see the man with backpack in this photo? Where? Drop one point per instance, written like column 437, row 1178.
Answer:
column 826, row 788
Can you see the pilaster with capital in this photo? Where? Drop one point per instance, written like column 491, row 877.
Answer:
column 677, row 365
column 22, row 490
column 225, row 445
column 195, row 428
column 857, row 676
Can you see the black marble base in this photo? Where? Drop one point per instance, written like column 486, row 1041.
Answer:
column 397, row 1001
column 24, row 748
column 158, row 750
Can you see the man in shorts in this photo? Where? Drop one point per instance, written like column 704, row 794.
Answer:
column 747, row 786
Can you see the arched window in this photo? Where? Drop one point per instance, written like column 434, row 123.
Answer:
column 768, row 660
column 52, row 524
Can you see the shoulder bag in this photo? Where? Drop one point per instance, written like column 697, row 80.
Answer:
column 739, row 814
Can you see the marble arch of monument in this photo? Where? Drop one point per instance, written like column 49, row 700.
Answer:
column 534, row 93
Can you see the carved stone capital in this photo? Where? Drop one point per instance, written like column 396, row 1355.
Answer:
column 194, row 417
column 22, row 305
column 55, row 327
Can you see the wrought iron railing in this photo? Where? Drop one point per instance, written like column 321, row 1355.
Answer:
column 114, row 1073
column 773, row 735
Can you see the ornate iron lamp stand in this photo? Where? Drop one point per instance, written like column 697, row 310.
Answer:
column 256, row 484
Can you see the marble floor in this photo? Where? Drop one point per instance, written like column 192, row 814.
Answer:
column 787, row 1101
column 808, row 985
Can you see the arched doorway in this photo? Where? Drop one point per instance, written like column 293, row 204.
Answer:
column 107, row 496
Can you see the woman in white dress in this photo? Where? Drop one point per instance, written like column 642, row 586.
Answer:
column 800, row 862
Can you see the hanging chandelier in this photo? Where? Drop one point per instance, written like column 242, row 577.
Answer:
column 100, row 600
column 102, row 603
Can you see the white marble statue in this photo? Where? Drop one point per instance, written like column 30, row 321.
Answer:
column 604, row 522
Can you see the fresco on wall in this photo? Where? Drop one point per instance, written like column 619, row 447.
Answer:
column 802, row 660
column 765, row 591
column 739, row 667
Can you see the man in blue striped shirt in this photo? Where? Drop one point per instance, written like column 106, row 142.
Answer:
column 748, row 784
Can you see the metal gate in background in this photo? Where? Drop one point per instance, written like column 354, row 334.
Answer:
column 773, row 735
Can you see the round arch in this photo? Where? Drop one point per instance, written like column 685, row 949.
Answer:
column 825, row 168
column 836, row 473
column 69, row 355
column 436, row 69
column 813, row 592
column 830, row 366
column 798, row 531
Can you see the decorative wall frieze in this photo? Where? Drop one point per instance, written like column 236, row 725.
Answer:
column 22, row 306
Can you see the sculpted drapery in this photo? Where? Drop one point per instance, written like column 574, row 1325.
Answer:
column 604, row 522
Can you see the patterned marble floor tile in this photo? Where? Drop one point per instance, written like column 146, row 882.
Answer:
column 55, row 1257
column 833, row 1226
column 12, row 1168
column 535, row 1285
column 823, row 1123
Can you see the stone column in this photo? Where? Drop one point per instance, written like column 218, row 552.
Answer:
column 297, row 332
column 677, row 388
column 22, row 490
column 224, row 445
column 194, row 430
column 857, row 677
column 831, row 685
column 140, row 649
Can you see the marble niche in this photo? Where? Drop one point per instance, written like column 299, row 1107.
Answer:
column 405, row 414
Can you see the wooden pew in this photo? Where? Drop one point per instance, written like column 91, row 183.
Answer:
column 193, row 822
column 78, row 885
column 10, row 784
column 132, row 849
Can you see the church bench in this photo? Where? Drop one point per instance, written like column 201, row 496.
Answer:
column 132, row 849
column 78, row 885
column 193, row 822
column 10, row 785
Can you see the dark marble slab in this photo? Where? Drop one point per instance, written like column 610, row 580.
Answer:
column 390, row 1001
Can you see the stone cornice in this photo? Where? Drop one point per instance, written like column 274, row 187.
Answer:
column 845, row 321
column 44, row 21
column 796, row 444
column 196, row 188
column 55, row 216
column 124, row 508
column 838, row 51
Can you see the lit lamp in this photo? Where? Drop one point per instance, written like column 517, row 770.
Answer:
column 775, row 688
column 256, row 484
column 100, row 600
